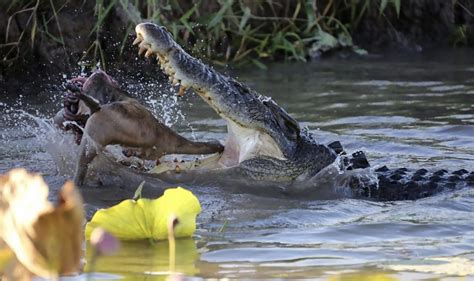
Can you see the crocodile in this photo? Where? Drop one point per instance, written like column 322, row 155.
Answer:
column 267, row 147
column 266, row 144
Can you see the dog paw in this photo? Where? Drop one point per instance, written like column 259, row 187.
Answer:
column 73, row 86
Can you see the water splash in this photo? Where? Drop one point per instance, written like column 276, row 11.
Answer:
column 334, row 181
column 162, row 100
column 36, row 134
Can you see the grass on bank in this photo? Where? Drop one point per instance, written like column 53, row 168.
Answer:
column 225, row 31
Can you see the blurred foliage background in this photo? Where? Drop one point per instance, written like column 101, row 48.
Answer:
column 61, row 33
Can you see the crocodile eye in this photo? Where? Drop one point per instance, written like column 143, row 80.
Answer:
column 292, row 129
column 287, row 124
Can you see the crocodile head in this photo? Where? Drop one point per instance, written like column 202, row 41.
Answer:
column 257, row 126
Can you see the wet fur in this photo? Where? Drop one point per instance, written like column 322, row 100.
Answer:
column 119, row 119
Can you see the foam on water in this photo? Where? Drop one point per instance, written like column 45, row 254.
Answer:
column 29, row 122
column 162, row 99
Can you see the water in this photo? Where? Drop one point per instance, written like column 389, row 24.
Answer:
column 404, row 112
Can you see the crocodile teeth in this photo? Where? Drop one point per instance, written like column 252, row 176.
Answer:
column 148, row 53
column 175, row 81
column 141, row 50
column 170, row 70
column 181, row 91
column 138, row 39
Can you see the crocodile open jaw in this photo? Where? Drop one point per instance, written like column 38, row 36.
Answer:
column 249, row 136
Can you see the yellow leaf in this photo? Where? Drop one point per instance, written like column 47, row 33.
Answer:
column 147, row 218
column 6, row 256
column 46, row 239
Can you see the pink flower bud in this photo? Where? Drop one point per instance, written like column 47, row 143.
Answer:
column 104, row 242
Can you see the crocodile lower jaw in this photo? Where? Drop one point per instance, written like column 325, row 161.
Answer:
column 242, row 143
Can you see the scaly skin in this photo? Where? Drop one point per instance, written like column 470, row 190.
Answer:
column 403, row 184
column 297, row 156
column 237, row 103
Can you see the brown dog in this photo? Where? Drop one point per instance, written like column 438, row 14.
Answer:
column 115, row 118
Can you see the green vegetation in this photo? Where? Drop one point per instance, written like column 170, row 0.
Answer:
column 239, row 31
column 34, row 23
column 225, row 31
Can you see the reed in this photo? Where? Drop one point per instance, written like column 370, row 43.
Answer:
column 224, row 31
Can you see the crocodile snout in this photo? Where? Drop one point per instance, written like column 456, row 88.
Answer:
column 153, row 39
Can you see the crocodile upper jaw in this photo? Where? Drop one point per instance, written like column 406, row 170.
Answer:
column 244, row 141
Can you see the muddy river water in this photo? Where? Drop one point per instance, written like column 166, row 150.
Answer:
column 403, row 112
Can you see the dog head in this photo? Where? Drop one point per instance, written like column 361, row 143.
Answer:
column 102, row 87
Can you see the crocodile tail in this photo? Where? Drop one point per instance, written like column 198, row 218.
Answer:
column 404, row 184
column 399, row 184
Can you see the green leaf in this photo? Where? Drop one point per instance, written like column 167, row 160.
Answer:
column 138, row 192
column 259, row 64
column 397, row 4
column 223, row 227
column 34, row 30
column 184, row 19
column 244, row 19
column 325, row 41
column 360, row 51
column 220, row 14
column 345, row 40
column 102, row 15
column 383, row 5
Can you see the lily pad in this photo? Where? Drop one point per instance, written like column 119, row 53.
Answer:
column 148, row 218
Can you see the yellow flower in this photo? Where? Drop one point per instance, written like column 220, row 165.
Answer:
column 147, row 218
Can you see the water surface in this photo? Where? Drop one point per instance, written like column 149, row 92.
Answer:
column 404, row 112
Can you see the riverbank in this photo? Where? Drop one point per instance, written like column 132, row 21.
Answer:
column 64, row 34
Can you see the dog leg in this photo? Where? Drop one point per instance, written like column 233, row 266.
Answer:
column 58, row 119
column 87, row 153
column 185, row 146
column 90, row 102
